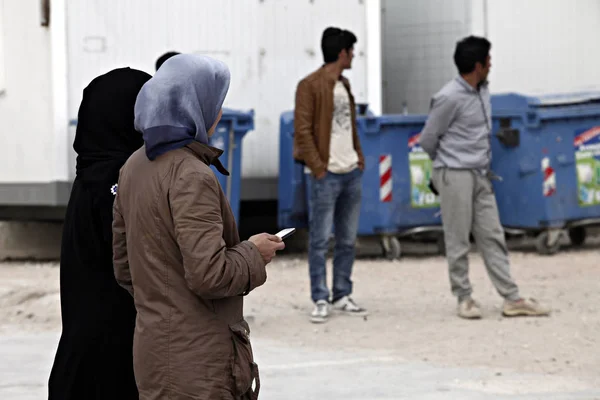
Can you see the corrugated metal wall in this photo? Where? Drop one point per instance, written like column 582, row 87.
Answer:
column 538, row 46
column 418, row 43
column 268, row 44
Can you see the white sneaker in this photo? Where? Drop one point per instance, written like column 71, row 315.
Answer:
column 469, row 309
column 524, row 307
column 321, row 312
column 348, row 306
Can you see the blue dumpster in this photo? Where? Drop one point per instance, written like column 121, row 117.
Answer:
column 292, row 200
column 396, row 199
column 228, row 137
column 547, row 151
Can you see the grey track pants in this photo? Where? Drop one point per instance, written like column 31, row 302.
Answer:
column 469, row 206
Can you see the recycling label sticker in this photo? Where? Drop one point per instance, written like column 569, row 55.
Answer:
column 420, row 166
column 587, row 163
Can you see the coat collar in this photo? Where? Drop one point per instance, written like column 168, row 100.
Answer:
column 330, row 79
column 208, row 154
column 470, row 88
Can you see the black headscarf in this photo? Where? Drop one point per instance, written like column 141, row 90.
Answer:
column 94, row 356
column 105, row 135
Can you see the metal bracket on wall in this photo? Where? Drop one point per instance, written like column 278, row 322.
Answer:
column 45, row 13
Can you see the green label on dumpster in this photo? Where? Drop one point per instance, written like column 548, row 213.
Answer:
column 420, row 166
column 587, row 162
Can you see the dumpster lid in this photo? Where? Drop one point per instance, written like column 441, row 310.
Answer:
column 231, row 113
column 401, row 119
column 514, row 101
column 565, row 99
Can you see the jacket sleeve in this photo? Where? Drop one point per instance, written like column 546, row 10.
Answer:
column 119, row 245
column 212, row 270
column 304, row 112
column 358, row 148
column 355, row 137
column 441, row 115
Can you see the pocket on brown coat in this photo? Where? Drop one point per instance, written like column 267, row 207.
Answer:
column 245, row 370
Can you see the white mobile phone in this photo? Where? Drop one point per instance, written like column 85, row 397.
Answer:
column 286, row 233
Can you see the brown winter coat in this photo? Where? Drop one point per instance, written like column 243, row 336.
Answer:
column 177, row 250
column 313, row 117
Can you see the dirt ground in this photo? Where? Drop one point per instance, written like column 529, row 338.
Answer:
column 412, row 312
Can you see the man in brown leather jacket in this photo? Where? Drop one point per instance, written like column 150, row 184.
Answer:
column 327, row 143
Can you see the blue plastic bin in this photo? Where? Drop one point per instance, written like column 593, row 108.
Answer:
column 392, row 207
column 393, row 141
column 547, row 151
column 228, row 136
column 292, row 198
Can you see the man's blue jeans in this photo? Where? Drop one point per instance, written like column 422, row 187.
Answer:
column 334, row 202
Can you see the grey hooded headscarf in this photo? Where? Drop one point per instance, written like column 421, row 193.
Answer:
column 181, row 102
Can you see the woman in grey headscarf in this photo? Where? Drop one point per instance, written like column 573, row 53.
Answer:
column 176, row 247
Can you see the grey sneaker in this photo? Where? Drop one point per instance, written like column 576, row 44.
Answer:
column 321, row 312
column 349, row 307
column 469, row 309
column 524, row 307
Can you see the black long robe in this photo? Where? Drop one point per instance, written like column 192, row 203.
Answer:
column 94, row 356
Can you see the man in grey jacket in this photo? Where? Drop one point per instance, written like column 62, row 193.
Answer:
column 457, row 138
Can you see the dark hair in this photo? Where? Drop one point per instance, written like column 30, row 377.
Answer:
column 470, row 51
column 335, row 40
column 164, row 58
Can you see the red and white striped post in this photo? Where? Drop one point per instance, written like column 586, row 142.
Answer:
column 385, row 178
column 549, row 185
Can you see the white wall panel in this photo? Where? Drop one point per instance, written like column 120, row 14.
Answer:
column 374, row 56
column 27, row 139
column 2, row 59
column 544, row 46
column 108, row 34
column 269, row 45
column 63, row 153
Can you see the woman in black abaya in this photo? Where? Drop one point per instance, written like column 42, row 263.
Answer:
column 94, row 356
